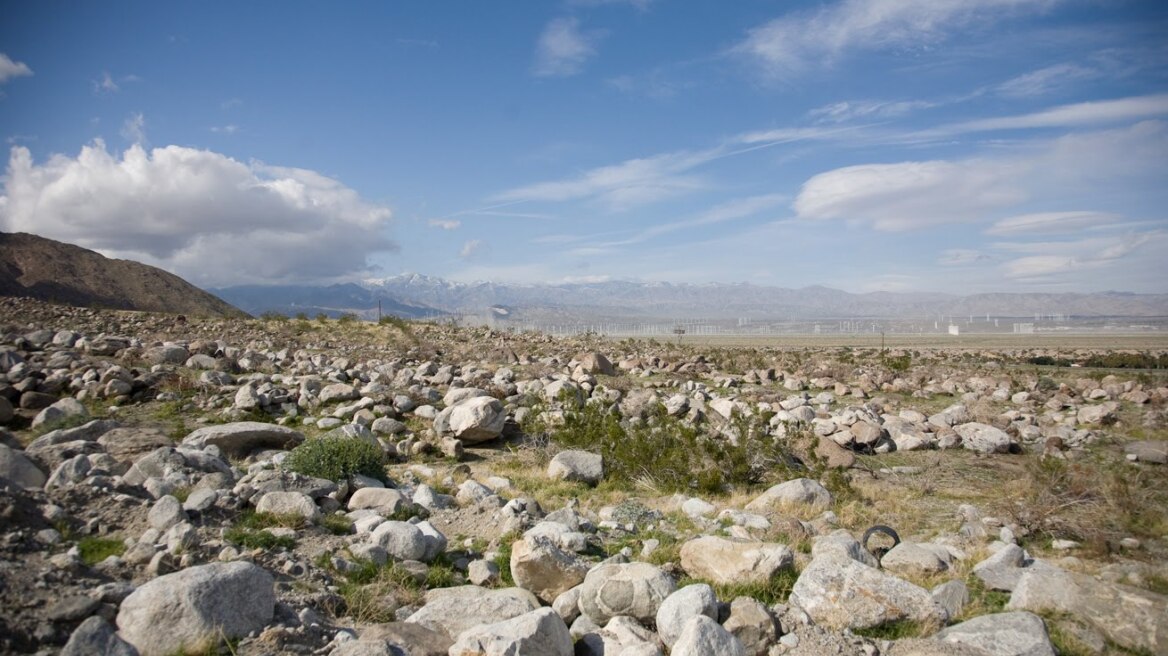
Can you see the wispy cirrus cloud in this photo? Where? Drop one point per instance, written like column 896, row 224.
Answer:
column 1084, row 114
column 10, row 69
column 445, row 224
column 1045, row 80
column 850, row 110
column 1043, row 223
column 563, row 48
column 803, row 40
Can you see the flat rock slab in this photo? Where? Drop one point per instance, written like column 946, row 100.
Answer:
column 841, row 593
column 1154, row 451
column 1002, row 634
column 242, row 437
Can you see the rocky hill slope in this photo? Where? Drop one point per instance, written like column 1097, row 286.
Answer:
column 342, row 488
column 54, row 271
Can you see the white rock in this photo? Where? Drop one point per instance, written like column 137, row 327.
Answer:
column 684, row 604
column 538, row 632
column 703, row 636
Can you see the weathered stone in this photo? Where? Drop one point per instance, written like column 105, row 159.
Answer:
column 1002, row 634
column 596, row 363
column 983, row 438
column 545, row 570
column 95, row 636
column 838, row 593
column 410, row 639
column 911, row 559
column 634, row 589
column 703, row 636
column 1001, row 570
column 387, row 502
column 842, row 543
column 195, row 607
column 1133, row 618
column 289, row 503
column 683, row 604
column 1104, row 413
column 166, row 512
column 728, row 562
column 130, row 443
column 58, row 412
column 241, row 438
column 580, row 466
column 797, row 492
column 402, row 540
column 1154, row 451
column 952, row 596
column 473, row 420
column 752, row 623
column 537, row 632
column 17, row 468
column 454, row 610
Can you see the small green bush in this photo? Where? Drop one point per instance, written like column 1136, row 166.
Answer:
column 94, row 550
column 337, row 458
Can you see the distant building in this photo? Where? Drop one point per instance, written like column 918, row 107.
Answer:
column 954, row 330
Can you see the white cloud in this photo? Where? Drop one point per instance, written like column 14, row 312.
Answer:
column 445, row 224
column 470, row 248
column 910, row 195
column 10, row 69
column 802, row 40
column 230, row 128
column 563, row 48
column 1098, row 112
column 850, row 110
column 1050, row 223
column 134, row 129
column 913, row 195
column 1092, row 254
column 105, row 84
column 621, row 186
column 205, row 216
column 640, row 5
column 1045, row 80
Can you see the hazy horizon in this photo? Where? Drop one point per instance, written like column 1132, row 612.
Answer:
column 862, row 145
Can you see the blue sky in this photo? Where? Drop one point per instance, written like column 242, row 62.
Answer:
column 933, row 145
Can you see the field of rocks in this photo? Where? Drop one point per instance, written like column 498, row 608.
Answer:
column 175, row 485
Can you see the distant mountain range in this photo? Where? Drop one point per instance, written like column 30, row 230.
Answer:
column 416, row 296
column 57, row 272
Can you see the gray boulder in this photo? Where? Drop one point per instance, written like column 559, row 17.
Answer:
column 684, row 604
column 1002, row 634
column 838, row 593
column 752, row 623
column 797, row 492
column 703, row 636
column 541, row 567
column 1002, row 569
column 634, row 589
column 580, row 466
column 1132, row 618
column 386, row 501
column 242, row 437
column 474, row 420
column 289, row 503
column 729, row 562
column 15, row 467
column 95, row 636
column 912, row 559
column 539, row 632
column 197, row 607
column 454, row 610
column 62, row 410
column 983, row 438
column 402, row 540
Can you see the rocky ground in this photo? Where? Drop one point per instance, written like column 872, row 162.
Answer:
column 175, row 485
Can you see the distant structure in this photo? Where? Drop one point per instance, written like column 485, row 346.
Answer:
column 1024, row 328
column 954, row 329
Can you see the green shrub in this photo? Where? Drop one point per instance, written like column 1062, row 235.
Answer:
column 669, row 455
column 94, row 550
column 337, row 458
column 250, row 538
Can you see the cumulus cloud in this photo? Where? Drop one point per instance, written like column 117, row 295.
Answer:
column 209, row 218
column 563, row 48
column 801, row 40
column 10, row 69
